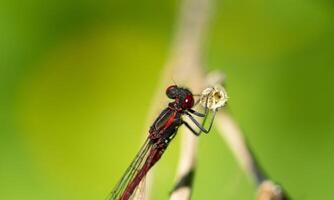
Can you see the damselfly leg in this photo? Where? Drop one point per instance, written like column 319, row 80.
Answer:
column 199, row 125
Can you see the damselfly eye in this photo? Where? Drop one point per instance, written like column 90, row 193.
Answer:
column 171, row 91
column 188, row 102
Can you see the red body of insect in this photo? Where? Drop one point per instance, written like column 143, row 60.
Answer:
column 162, row 131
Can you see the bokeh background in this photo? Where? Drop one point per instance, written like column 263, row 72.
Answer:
column 77, row 78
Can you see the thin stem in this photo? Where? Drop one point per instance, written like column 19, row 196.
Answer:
column 233, row 136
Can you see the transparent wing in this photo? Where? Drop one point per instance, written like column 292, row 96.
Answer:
column 131, row 171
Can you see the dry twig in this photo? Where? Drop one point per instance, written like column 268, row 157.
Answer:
column 185, row 67
column 231, row 133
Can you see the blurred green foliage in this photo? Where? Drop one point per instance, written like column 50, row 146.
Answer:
column 77, row 77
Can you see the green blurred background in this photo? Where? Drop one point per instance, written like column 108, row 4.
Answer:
column 77, row 78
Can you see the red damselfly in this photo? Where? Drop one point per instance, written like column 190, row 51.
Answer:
column 162, row 131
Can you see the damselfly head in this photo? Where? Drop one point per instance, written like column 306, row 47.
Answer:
column 183, row 97
column 172, row 91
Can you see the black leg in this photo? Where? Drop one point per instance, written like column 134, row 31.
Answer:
column 191, row 129
column 200, row 126
column 196, row 113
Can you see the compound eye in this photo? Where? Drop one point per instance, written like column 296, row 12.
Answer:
column 188, row 102
column 171, row 91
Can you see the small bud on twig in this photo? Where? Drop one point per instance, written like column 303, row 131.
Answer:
column 214, row 97
column 269, row 191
